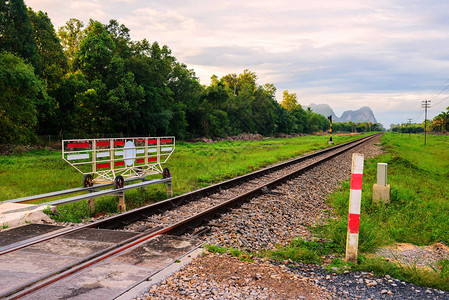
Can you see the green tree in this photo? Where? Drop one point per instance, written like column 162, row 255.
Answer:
column 74, row 112
column 70, row 36
column 187, row 93
column 16, row 35
column 211, row 119
column 20, row 93
column 285, row 122
column 52, row 58
column 124, row 98
column 441, row 122
column 95, row 51
column 264, row 112
column 120, row 36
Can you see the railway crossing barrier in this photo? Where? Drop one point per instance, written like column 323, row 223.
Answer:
column 355, row 198
column 112, row 160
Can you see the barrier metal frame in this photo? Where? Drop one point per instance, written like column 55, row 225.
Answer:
column 104, row 160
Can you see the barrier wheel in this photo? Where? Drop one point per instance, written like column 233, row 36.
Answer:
column 88, row 180
column 166, row 173
column 119, row 182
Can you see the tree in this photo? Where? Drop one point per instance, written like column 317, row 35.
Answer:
column 270, row 89
column 20, row 93
column 124, row 98
column 211, row 119
column 74, row 112
column 16, row 35
column 95, row 51
column 52, row 58
column 290, row 101
column 285, row 122
column 71, row 35
column 187, row 93
column 441, row 121
column 264, row 112
column 120, row 36
column 231, row 81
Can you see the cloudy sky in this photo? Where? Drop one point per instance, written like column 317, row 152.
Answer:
column 386, row 54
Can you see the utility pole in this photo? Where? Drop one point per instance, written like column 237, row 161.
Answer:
column 425, row 104
column 409, row 122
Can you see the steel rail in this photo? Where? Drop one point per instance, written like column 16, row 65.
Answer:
column 95, row 194
column 64, row 192
column 176, row 228
column 161, row 206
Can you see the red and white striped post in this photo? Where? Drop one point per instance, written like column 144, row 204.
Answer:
column 355, row 198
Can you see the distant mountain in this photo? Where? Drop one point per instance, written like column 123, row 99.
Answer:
column 364, row 114
column 323, row 109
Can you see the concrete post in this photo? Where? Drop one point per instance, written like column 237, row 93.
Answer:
column 91, row 203
column 355, row 199
column 121, row 202
column 381, row 190
column 169, row 188
column 382, row 174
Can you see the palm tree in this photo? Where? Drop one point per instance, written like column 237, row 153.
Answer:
column 441, row 121
column 437, row 124
column 445, row 119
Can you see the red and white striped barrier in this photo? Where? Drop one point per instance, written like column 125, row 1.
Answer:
column 105, row 159
column 355, row 198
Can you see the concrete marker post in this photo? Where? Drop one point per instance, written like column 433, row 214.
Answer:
column 355, row 199
column 121, row 202
column 381, row 190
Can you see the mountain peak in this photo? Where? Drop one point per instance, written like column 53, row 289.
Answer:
column 363, row 114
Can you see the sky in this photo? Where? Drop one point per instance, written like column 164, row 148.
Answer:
column 389, row 55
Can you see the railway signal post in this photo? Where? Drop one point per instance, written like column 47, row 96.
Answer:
column 355, row 198
column 330, row 130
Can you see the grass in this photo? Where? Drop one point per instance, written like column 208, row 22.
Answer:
column 419, row 208
column 193, row 166
column 418, row 212
column 433, row 278
column 299, row 250
column 241, row 255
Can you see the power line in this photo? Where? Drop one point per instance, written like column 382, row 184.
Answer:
column 418, row 115
column 445, row 88
column 440, row 101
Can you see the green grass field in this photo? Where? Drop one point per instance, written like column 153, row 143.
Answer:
column 418, row 212
column 193, row 166
column 419, row 208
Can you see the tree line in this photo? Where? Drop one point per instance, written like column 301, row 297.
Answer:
column 440, row 123
column 82, row 80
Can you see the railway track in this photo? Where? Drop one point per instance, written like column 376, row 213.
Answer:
column 175, row 216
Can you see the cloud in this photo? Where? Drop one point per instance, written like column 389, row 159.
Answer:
column 346, row 53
